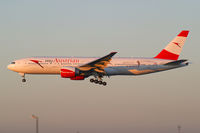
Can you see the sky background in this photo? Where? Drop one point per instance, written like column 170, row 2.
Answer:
column 154, row 103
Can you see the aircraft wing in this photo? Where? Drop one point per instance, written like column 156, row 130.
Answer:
column 99, row 64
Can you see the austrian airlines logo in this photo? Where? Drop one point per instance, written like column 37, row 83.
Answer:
column 37, row 62
column 177, row 44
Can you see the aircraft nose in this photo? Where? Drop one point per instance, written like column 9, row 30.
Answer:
column 10, row 67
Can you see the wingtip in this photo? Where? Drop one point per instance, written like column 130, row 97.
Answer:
column 113, row 52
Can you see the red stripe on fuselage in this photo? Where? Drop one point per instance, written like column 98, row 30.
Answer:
column 37, row 62
column 164, row 54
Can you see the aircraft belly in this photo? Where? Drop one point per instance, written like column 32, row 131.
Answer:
column 118, row 71
column 135, row 70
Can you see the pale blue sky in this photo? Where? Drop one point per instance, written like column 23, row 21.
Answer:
column 140, row 104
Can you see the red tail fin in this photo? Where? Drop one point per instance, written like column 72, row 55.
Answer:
column 173, row 49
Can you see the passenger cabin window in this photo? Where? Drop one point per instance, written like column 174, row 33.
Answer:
column 12, row 62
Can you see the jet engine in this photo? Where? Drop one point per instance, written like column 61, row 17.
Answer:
column 72, row 73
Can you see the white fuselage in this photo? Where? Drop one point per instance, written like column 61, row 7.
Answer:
column 117, row 66
column 79, row 68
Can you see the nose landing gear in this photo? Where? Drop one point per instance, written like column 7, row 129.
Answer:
column 24, row 80
column 96, row 81
column 23, row 77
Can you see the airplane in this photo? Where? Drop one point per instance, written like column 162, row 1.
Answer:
column 80, row 68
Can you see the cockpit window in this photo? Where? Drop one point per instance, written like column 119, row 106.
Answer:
column 12, row 62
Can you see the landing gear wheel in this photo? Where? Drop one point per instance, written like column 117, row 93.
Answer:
column 104, row 83
column 23, row 80
column 96, row 81
column 91, row 80
column 100, row 82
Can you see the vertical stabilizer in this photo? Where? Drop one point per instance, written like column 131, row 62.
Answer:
column 174, row 48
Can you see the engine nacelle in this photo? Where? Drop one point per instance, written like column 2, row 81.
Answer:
column 78, row 78
column 72, row 73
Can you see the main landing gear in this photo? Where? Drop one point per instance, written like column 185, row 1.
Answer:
column 96, row 81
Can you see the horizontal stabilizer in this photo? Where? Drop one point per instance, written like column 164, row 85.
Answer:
column 173, row 63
